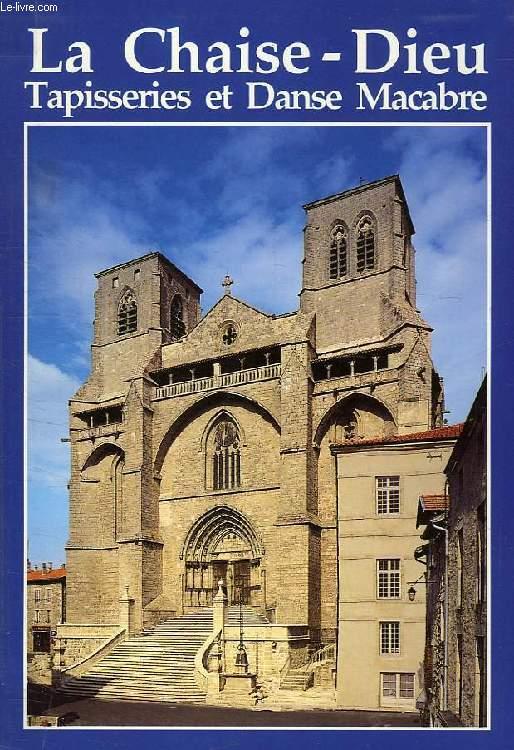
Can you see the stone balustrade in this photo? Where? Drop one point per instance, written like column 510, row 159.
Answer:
column 224, row 380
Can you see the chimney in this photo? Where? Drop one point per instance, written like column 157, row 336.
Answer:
column 49, row 565
column 43, row 567
column 29, row 565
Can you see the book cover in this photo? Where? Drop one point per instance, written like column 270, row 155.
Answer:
column 256, row 336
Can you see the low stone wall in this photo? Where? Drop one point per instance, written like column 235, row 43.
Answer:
column 77, row 642
column 39, row 669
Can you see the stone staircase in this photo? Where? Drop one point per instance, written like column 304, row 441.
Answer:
column 157, row 666
column 251, row 616
column 294, row 680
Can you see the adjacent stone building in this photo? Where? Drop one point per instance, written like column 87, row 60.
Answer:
column 456, row 557
column 46, row 604
column 201, row 446
column 46, row 609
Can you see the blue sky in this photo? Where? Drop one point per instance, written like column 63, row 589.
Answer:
column 228, row 200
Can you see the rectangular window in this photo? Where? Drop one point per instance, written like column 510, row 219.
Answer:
column 388, row 579
column 48, row 593
column 406, row 686
column 389, row 637
column 48, row 615
column 36, row 615
column 389, row 684
column 388, row 495
column 398, row 685
column 37, row 595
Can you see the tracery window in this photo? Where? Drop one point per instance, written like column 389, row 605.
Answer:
column 177, row 325
column 127, row 313
column 226, row 460
column 338, row 252
column 365, row 244
column 229, row 333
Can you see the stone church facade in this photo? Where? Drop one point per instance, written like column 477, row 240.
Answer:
column 201, row 446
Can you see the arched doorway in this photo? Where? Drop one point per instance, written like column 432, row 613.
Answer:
column 222, row 544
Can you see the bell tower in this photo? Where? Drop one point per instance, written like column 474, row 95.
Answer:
column 358, row 260
column 139, row 305
column 114, row 545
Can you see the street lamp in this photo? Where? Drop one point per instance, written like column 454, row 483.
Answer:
column 411, row 591
column 241, row 656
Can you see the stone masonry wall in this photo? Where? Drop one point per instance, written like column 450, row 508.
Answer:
column 467, row 626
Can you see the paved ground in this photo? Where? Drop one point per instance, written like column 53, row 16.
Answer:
column 126, row 713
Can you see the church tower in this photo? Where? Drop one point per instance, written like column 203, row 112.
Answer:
column 139, row 306
column 114, row 520
column 359, row 280
column 358, row 261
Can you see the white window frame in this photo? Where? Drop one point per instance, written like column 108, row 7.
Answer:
column 37, row 595
column 36, row 616
column 48, row 594
column 387, row 489
column 397, row 698
column 389, row 560
column 389, row 631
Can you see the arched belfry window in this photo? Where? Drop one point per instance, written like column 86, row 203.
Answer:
column 127, row 313
column 338, row 252
column 177, row 325
column 365, row 244
column 226, row 458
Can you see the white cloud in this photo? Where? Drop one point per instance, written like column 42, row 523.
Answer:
column 446, row 190
column 263, row 258
column 48, row 392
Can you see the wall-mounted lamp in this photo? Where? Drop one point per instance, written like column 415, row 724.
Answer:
column 411, row 592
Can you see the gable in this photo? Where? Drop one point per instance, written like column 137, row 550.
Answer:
column 253, row 330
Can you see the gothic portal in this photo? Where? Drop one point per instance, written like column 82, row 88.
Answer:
column 222, row 544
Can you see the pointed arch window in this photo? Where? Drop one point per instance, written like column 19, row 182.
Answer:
column 338, row 252
column 177, row 325
column 226, row 459
column 365, row 244
column 127, row 313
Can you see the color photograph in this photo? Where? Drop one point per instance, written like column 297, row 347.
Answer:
column 256, row 418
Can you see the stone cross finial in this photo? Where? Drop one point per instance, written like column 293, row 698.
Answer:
column 226, row 284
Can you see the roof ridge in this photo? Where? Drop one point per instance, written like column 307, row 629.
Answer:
column 437, row 433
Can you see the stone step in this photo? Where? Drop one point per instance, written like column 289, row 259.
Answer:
column 159, row 665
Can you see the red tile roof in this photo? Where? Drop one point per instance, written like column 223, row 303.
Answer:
column 439, row 433
column 42, row 576
column 434, row 502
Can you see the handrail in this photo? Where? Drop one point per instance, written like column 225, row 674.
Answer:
column 321, row 656
column 284, row 669
column 80, row 666
column 201, row 668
